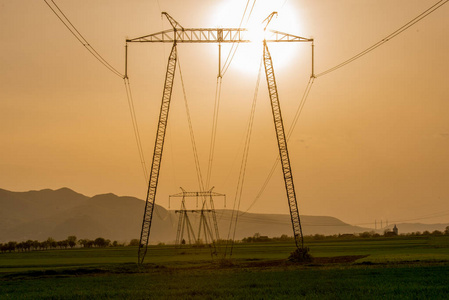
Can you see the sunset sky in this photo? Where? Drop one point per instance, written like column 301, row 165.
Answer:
column 371, row 143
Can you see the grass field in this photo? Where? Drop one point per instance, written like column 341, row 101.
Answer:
column 402, row 267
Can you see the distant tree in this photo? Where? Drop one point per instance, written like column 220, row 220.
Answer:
column 11, row 246
column 36, row 245
column 101, row 242
column 365, row 234
column 426, row 233
column 284, row 237
column 318, row 236
column 44, row 245
column 446, row 232
column 86, row 243
column 59, row 243
column 134, row 242
column 71, row 240
column 27, row 245
column 389, row 233
column 20, row 247
column 63, row 244
column 346, row 235
column 52, row 243
column 437, row 232
column 82, row 242
column 114, row 244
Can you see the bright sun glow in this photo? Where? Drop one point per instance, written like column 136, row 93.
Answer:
column 248, row 56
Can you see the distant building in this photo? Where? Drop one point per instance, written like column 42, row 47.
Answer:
column 395, row 230
column 388, row 232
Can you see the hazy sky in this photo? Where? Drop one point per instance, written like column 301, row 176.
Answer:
column 372, row 141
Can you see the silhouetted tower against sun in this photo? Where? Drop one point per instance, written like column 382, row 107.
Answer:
column 178, row 35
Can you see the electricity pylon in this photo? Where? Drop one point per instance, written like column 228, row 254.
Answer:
column 184, row 224
column 179, row 34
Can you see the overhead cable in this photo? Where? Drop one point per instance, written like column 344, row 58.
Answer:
column 388, row 37
column 309, row 86
column 241, row 178
column 289, row 133
column 214, row 130
column 192, row 136
column 135, row 127
column 63, row 18
column 235, row 46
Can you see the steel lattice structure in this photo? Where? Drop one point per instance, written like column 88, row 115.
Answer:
column 282, row 145
column 214, row 35
column 179, row 34
column 157, row 154
column 184, row 221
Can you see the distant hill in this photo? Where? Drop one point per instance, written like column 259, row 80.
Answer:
column 37, row 215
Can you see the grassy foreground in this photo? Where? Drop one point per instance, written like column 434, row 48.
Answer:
column 407, row 268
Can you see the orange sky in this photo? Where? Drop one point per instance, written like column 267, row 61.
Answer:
column 371, row 142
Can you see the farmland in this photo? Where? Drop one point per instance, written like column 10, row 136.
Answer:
column 400, row 267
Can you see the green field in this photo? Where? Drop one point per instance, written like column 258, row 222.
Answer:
column 401, row 267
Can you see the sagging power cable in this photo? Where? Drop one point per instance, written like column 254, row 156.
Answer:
column 132, row 112
column 309, row 86
column 289, row 133
column 235, row 46
column 192, row 136
column 214, row 130
column 226, row 65
column 242, row 172
column 388, row 37
column 63, row 18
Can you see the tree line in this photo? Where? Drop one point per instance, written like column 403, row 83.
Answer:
column 69, row 242
column 257, row 238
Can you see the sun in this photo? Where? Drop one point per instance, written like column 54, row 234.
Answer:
column 247, row 57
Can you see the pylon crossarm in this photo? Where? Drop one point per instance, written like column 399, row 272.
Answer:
column 197, row 194
column 214, row 35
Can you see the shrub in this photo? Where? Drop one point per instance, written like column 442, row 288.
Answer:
column 300, row 255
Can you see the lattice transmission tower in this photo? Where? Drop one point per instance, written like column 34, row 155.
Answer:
column 206, row 232
column 179, row 34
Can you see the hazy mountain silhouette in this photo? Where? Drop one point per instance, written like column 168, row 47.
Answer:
column 37, row 215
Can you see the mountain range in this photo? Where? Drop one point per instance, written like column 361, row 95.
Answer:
column 37, row 215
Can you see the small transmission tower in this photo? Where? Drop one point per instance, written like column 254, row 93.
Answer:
column 206, row 230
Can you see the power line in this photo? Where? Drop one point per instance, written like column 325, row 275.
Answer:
column 309, row 85
column 214, row 129
column 192, row 136
column 388, row 37
column 230, row 56
column 63, row 18
column 135, row 127
column 289, row 133
column 241, row 179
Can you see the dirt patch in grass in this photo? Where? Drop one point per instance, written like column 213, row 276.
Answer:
column 267, row 264
column 337, row 259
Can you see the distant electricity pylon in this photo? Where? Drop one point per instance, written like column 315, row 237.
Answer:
column 179, row 34
column 205, row 229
